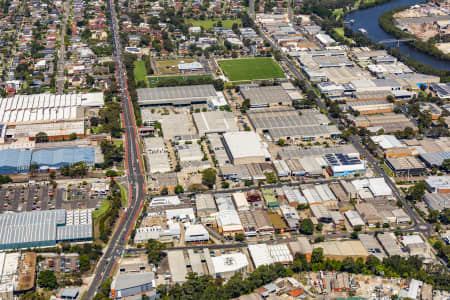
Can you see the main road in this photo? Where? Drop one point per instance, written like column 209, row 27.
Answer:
column 135, row 176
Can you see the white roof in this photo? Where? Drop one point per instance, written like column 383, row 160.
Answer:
column 354, row 218
column 411, row 239
column 167, row 200
column 195, row 230
column 180, row 213
column 229, row 218
column 377, row 186
column 229, row 262
column 260, row 255
column 241, row 201
column 386, row 141
column 244, row 144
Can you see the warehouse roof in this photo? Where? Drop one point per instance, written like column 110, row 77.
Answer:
column 296, row 152
column 177, row 94
column 282, row 122
column 405, row 163
column 38, row 228
column 205, row 202
column 386, row 141
column 244, row 144
column 342, row 248
column 301, row 245
column 265, row 95
column 435, row 159
column 229, row 262
column 389, row 244
column 372, row 246
column 260, row 254
column 177, row 265
column 129, row 280
column 14, row 161
column 58, row 157
column 215, row 122
column 46, row 107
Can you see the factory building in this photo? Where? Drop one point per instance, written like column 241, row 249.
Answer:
column 344, row 164
column 226, row 265
column 58, row 157
column 245, row 147
column 263, row 254
column 339, row 250
column 178, row 95
column 14, row 161
column 406, row 166
column 132, row 284
column 195, row 233
column 44, row 228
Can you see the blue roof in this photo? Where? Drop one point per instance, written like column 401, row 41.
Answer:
column 14, row 161
column 56, row 158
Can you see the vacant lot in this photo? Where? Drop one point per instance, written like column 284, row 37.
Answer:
column 170, row 67
column 209, row 24
column 251, row 68
column 155, row 81
column 139, row 71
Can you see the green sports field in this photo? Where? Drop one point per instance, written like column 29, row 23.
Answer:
column 139, row 71
column 251, row 68
column 163, row 80
column 209, row 24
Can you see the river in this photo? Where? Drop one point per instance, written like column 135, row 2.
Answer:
column 368, row 19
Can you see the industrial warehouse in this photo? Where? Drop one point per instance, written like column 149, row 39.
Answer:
column 44, row 228
column 180, row 95
column 59, row 116
column 287, row 123
column 19, row 160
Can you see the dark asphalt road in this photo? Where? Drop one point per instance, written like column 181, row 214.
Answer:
column 134, row 169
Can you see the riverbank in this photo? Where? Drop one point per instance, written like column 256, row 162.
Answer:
column 416, row 60
column 387, row 23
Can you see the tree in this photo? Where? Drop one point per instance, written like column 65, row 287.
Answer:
column 84, row 263
column 446, row 165
column 111, row 173
column 281, row 142
column 47, row 280
column 225, row 184
column 41, row 137
column 348, row 265
column 73, row 136
column 354, row 235
column 317, row 255
column 417, row 192
column 239, row 237
column 445, row 216
column 209, row 177
column 319, row 227
column 179, row 189
column 164, row 191
column 155, row 251
column 307, row 227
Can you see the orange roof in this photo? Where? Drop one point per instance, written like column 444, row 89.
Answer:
column 295, row 292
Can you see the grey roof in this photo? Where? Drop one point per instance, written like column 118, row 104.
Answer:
column 75, row 232
column 39, row 228
column 175, row 94
column 295, row 152
column 265, row 95
column 128, row 280
column 289, row 122
column 215, row 122
column 70, row 293
column 435, row 159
